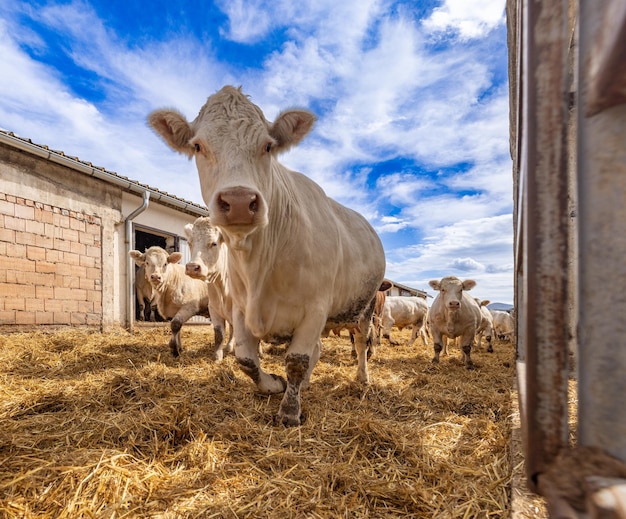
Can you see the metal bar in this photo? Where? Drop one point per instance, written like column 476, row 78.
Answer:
column 602, row 238
column 543, row 286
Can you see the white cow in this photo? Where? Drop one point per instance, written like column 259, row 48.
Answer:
column 300, row 264
column 454, row 313
column 209, row 262
column 401, row 312
column 486, row 325
column 177, row 295
column 503, row 325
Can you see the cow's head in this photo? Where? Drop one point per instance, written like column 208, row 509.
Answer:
column 451, row 290
column 155, row 262
column 234, row 147
column 205, row 243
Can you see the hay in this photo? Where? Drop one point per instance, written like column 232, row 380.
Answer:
column 111, row 426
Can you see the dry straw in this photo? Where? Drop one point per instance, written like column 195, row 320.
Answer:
column 111, row 426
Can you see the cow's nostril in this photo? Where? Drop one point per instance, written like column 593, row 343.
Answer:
column 223, row 205
column 254, row 205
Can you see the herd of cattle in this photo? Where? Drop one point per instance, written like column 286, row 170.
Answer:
column 279, row 261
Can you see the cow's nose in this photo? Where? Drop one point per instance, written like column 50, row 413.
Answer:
column 155, row 277
column 192, row 269
column 454, row 304
column 238, row 206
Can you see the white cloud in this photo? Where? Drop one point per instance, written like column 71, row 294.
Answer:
column 468, row 18
column 477, row 248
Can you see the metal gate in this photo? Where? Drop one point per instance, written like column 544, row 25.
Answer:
column 567, row 70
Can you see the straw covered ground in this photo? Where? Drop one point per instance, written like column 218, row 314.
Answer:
column 111, row 426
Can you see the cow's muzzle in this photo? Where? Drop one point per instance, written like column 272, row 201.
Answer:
column 237, row 206
column 194, row 270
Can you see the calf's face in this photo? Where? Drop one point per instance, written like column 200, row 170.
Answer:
column 155, row 262
column 205, row 242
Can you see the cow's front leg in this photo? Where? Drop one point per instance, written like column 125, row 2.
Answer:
column 181, row 317
column 175, row 345
column 466, row 346
column 297, row 366
column 230, row 345
column 247, row 355
column 302, row 355
column 439, row 343
column 219, row 328
column 361, row 345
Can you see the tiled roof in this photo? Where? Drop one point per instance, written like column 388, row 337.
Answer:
column 110, row 176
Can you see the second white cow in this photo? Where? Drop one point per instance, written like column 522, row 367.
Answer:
column 402, row 312
column 209, row 262
column 454, row 313
column 503, row 324
column 485, row 329
column 178, row 296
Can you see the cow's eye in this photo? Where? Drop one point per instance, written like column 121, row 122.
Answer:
column 268, row 147
column 197, row 147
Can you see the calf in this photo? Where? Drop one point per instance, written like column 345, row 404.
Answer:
column 377, row 318
column 144, row 293
column 401, row 312
column 486, row 325
column 503, row 325
column 376, row 326
column 178, row 296
column 209, row 262
column 300, row 264
column 454, row 313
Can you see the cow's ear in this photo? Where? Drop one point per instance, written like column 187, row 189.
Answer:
column 290, row 127
column 434, row 284
column 384, row 286
column 188, row 230
column 468, row 284
column 174, row 129
column 139, row 258
column 174, row 257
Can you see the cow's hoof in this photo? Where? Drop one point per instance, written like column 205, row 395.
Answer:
column 435, row 360
column 289, row 421
column 490, row 349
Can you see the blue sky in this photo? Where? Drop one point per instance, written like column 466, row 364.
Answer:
column 411, row 99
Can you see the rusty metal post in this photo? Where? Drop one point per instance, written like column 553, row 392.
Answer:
column 542, row 274
column 602, row 223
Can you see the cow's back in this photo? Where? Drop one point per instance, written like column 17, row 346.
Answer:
column 179, row 290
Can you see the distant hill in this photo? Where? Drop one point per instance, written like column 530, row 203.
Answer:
column 500, row 306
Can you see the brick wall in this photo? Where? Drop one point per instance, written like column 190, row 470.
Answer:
column 50, row 266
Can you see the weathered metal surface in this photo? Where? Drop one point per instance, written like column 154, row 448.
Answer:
column 606, row 60
column 542, row 249
column 602, row 240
